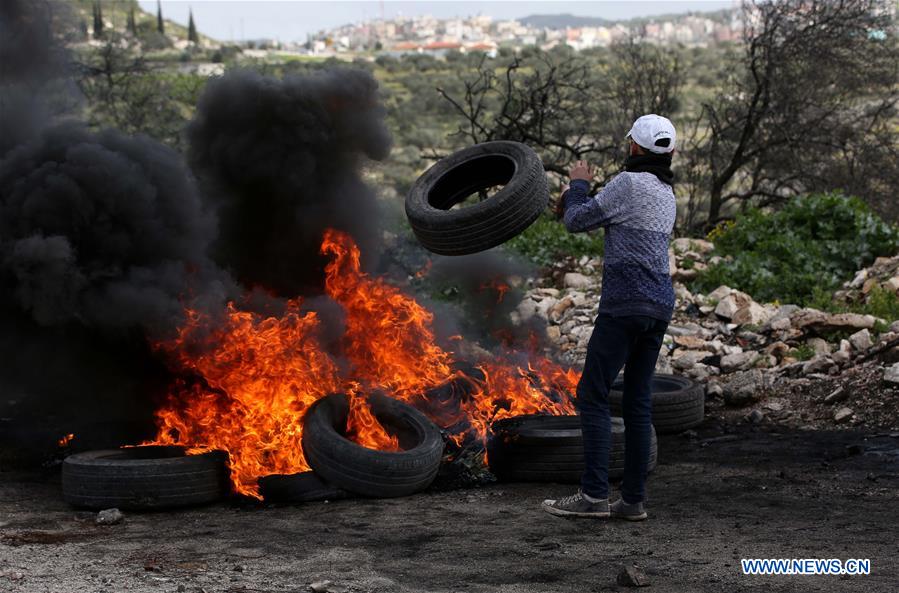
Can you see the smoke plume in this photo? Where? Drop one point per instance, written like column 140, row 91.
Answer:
column 280, row 160
column 103, row 243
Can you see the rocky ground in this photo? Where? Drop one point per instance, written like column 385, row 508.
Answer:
column 761, row 363
column 719, row 494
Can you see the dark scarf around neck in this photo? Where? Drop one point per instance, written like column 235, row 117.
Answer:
column 657, row 164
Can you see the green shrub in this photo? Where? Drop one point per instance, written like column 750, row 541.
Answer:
column 547, row 240
column 880, row 303
column 813, row 244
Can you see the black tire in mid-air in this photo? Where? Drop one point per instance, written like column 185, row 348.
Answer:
column 678, row 403
column 368, row 472
column 144, row 478
column 448, row 230
column 550, row 449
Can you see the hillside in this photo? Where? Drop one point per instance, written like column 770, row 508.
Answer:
column 562, row 21
column 115, row 18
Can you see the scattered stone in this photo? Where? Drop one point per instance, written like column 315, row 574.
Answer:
column 861, row 340
column 733, row 302
column 691, row 342
column 818, row 364
column 631, row 576
column 780, row 324
column 755, row 416
column 554, row 333
column 744, row 387
column 844, row 353
column 526, row 309
column 738, row 361
column 835, row 396
column 326, row 587
column 687, row 359
column 753, row 314
column 110, row 517
column 717, row 295
column 576, row 280
column 842, row 415
column 891, row 374
column 714, row 390
column 819, row 345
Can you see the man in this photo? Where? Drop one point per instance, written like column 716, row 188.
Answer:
column 637, row 210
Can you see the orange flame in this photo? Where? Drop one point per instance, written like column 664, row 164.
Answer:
column 66, row 440
column 249, row 378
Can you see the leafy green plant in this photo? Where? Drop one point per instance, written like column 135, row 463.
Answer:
column 880, row 303
column 547, row 240
column 802, row 352
column 813, row 244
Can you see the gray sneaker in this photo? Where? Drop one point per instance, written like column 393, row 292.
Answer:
column 577, row 506
column 631, row 512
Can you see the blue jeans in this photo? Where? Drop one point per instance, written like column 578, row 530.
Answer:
column 632, row 342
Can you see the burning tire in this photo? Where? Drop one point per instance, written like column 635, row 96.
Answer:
column 144, row 478
column 368, row 472
column 678, row 403
column 294, row 488
column 447, row 230
column 550, row 449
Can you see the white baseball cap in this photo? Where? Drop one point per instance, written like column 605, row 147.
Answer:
column 654, row 133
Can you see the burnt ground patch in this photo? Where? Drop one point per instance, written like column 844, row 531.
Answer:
column 713, row 501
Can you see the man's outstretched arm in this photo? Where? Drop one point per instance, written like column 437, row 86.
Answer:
column 585, row 213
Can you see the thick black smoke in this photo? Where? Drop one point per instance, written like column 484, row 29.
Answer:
column 103, row 242
column 281, row 160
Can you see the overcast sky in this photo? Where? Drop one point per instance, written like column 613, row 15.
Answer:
column 292, row 20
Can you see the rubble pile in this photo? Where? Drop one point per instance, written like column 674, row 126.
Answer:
column 751, row 356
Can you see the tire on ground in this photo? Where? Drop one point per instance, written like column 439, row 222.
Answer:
column 550, row 449
column 295, row 488
column 144, row 478
column 368, row 472
column 457, row 231
column 678, row 403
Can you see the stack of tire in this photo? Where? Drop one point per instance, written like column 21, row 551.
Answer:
column 678, row 403
column 155, row 477
column 550, row 449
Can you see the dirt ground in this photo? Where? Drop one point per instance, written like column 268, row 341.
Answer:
column 713, row 500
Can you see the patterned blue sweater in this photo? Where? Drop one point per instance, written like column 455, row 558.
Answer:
column 637, row 211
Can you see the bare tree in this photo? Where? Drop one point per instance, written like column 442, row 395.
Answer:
column 817, row 82
column 565, row 105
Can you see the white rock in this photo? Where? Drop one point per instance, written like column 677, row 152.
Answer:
column 733, row 302
column 892, row 284
column 817, row 364
column 544, row 306
column 110, row 517
column 780, row 324
column 526, row 309
column 753, row 313
column 859, row 279
column 891, row 374
column 818, row 345
column 687, row 359
column 861, row 340
column 842, row 415
column 719, row 293
column 576, row 280
column 738, row 361
column 728, row 349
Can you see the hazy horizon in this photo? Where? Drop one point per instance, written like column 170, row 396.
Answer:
column 293, row 20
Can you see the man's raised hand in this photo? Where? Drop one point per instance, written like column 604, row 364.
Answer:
column 581, row 170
